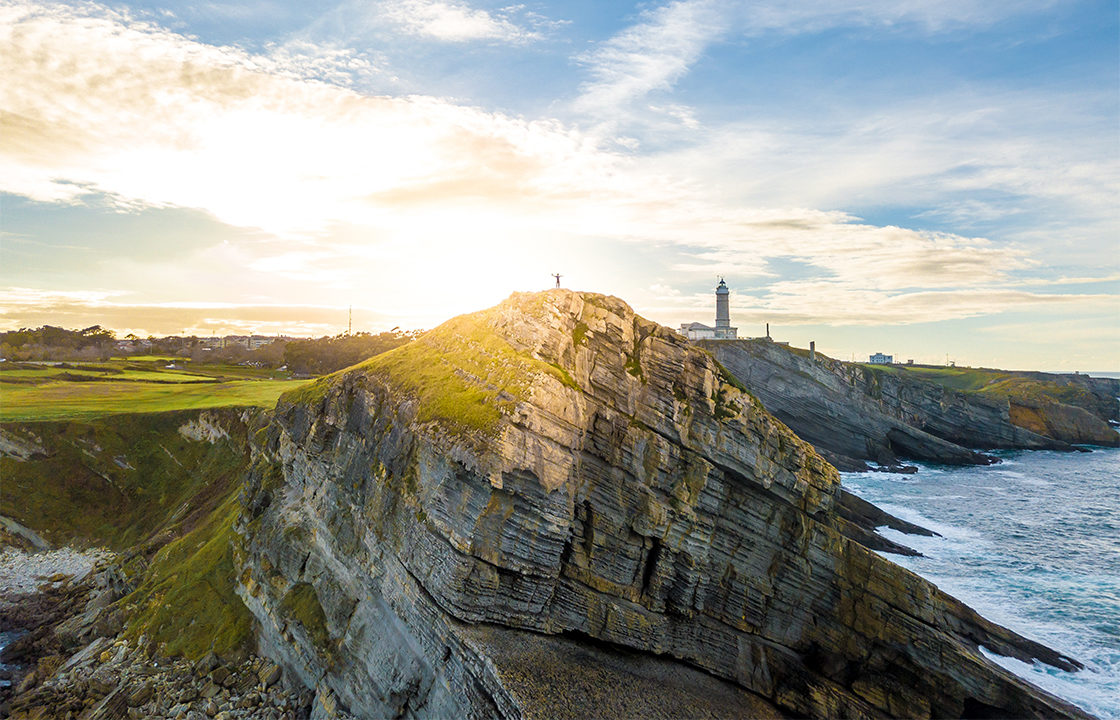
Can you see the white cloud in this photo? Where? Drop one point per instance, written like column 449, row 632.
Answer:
column 836, row 303
column 355, row 22
column 654, row 53
column 452, row 21
column 367, row 193
column 650, row 55
column 100, row 103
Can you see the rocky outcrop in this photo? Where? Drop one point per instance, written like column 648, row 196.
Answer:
column 859, row 520
column 853, row 414
column 1098, row 396
column 1069, row 423
column 14, row 534
column 20, row 446
column 70, row 663
column 483, row 522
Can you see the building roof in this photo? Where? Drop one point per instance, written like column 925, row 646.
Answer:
column 697, row 326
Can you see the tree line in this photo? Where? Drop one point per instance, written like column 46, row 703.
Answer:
column 317, row 356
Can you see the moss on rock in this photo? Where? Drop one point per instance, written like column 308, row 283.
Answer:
column 301, row 604
column 187, row 602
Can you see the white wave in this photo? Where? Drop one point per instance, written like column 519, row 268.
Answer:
column 946, row 531
column 1093, row 689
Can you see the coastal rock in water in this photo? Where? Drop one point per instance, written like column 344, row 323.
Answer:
column 559, row 482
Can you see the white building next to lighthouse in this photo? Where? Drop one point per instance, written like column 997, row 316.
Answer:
column 723, row 329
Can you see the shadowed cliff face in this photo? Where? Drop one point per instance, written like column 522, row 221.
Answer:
column 420, row 528
column 853, row 413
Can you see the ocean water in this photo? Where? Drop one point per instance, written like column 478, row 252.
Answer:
column 1032, row 543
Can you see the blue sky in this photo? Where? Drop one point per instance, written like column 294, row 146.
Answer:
column 928, row 179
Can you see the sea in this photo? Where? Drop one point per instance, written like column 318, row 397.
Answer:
column 1032, row 543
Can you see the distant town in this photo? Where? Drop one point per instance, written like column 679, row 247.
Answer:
column 301, row 356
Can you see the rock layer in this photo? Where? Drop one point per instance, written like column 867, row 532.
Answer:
column 852, row 413
column 559, row 466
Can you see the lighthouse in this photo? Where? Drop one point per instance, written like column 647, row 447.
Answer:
column 723, row 329
column 723, row 313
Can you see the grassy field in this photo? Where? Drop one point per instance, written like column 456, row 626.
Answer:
column 950, row 377
column 31, row 391
column 59, row 400
column 117, row 472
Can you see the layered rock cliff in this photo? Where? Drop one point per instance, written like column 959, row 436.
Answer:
column 537, row 502
column 852, row 413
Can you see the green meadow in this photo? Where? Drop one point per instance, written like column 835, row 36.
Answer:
column 30, row 391
column 1003, row 384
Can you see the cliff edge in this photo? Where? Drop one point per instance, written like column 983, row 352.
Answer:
column 853, row 413
column 555, row 505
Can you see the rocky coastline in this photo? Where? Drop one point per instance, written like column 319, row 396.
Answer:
column 547, row 508
column 855, row 414
column 631, row 493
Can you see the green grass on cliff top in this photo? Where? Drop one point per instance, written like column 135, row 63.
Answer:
column 995, row 383
column 950, row 377
column 464, row 374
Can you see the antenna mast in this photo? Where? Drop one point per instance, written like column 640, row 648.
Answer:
column 350, row 320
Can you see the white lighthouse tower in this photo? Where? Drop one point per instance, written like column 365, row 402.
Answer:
column 723, row 312
column 723, row 329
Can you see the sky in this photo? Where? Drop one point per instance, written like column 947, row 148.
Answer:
column 937, row 180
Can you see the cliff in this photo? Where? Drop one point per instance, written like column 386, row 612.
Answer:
column 554, row 506
column 853, row 413
column 160, row 490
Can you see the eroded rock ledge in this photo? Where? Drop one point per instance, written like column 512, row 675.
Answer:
column 443, row 530
column 852, row 413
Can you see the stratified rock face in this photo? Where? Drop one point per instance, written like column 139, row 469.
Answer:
column 1067, row 422
column 561, row 466
column 852, row 414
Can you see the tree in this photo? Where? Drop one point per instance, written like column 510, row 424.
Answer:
column 328, row 354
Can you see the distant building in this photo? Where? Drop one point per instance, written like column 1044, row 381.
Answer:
column 258, row 341
column 698, row 331
column 723, row 329
column 881, row 359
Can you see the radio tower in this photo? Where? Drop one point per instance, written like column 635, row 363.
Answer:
column 350, row 320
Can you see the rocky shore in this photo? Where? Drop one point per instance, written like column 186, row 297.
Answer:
column 552, row 508
column 67, row 658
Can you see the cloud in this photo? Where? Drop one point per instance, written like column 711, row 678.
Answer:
column 364, row 195
column 650, row 55
column 99, row 103
column 453, row 21
column 1039, row 165
column 836, row 303
column 658, row 50
column 24, row 307
column 441, row 21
